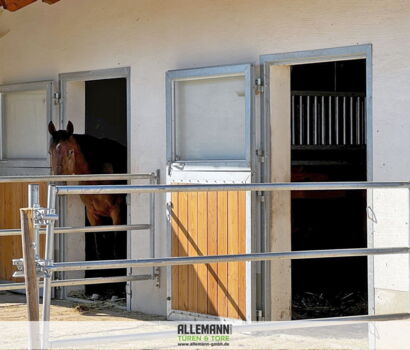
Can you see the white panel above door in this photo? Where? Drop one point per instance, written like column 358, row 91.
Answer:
column 26, row 109
column 209, row 116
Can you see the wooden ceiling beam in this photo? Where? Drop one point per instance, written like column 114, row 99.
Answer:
column 14, row 5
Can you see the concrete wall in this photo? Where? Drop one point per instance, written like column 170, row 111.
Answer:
column 153, row 36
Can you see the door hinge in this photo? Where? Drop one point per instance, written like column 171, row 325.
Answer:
column 260, row 195
column 128, row 289
column 57, row 98
column 261, row 155
column 259, row 315
column 259, row 85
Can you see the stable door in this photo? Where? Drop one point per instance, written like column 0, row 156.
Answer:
column 209, row 129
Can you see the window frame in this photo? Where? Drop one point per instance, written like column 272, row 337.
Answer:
column 47, row 86
column 173, row 76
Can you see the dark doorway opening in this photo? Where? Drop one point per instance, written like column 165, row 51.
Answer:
column 106, row 117
column 329, row 144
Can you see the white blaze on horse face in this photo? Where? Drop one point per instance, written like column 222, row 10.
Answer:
column 62, row 159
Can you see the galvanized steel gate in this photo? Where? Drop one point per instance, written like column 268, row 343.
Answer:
column 47, row 267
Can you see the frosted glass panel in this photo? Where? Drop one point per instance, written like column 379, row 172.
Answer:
column 25, row 124
column 210, row 119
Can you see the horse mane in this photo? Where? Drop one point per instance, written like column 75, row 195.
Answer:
column 98, row 152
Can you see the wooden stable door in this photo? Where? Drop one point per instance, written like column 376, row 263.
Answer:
column 209, row 223
column 14, row 196
column 209, row 141
column 27, row 109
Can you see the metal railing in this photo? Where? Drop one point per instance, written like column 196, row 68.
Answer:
column 328, row 118
column 48, row 266
column 34, row 202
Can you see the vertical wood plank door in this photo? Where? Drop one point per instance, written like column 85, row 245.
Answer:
column 14, row 196
column 209, row 223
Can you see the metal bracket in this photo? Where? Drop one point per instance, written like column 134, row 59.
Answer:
column 259, row 315
column 40, row 268
column 260, row 195
column 259, row 85
column 41, row 216
column 261, row 155
column 57, row 98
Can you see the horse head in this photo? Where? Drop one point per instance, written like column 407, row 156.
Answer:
column 65, row 154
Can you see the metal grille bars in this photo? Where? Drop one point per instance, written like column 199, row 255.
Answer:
column 328, row 118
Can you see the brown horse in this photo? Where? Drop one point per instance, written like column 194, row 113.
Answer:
column 84, row 154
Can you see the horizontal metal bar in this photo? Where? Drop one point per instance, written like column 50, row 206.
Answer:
column 70, row 178
column 104, row 228
column 279, row 186
column 100, row 280
column 81, row 281
column 190, row 260
column 238, row 328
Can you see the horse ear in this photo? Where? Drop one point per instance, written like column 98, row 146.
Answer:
column 70, row 128
column 51, row 128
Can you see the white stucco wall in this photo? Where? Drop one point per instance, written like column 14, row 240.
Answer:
column 153, row 36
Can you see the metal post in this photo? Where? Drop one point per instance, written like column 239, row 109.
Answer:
column 408, row 309
column 330, row 120
column 49, row 255
column 34, row 202
column 323, row 120
column 60, row 292
column 351, row 121
column 337, row 105
column 155, row 270
column 344, row 120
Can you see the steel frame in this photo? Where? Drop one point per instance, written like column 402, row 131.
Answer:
column 48, row 266
column 34, row 203
column 245, row 70
column 54, row 191
column 363, row 51
column 48, row 87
